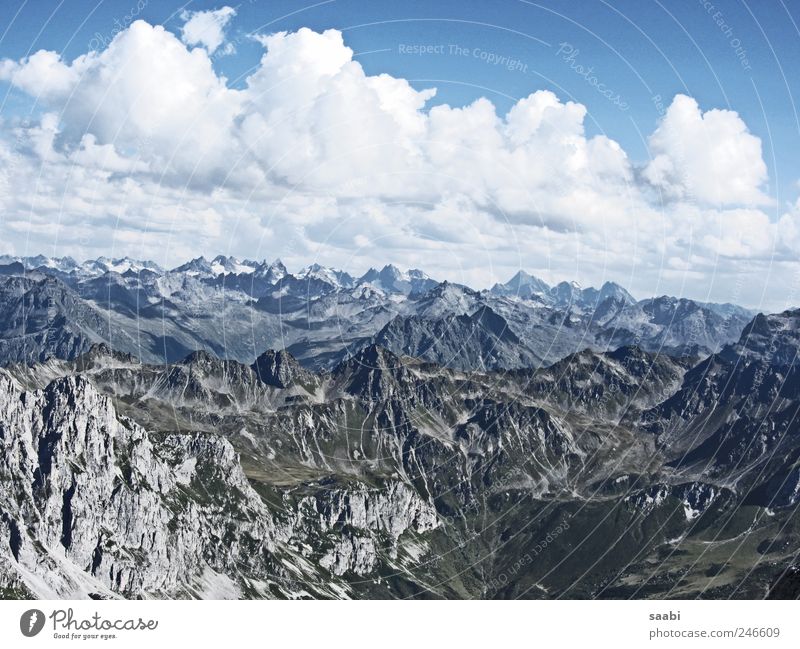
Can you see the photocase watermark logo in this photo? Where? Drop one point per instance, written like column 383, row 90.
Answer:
column 31, row 622
column 66, row 625
column 569, row 54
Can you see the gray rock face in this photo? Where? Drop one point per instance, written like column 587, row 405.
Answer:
column 735, row 415
column 42, row 318
column 281, row 370
column 480, row 341
column 363, row 517
column 91, row 503
column 99, row 507
column 392, row 510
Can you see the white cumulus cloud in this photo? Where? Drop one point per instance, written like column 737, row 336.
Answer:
column 144, row 146
column 206, row 28
column 710, row 157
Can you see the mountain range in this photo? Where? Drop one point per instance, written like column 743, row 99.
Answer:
column 231, row 429
column 237, row 309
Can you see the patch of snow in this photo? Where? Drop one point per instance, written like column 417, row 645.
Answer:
column 213, row 585
column 185, row 472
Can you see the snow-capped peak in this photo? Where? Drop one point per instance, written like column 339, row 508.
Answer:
column 222, row 265
column 63, row 264
column 194, row 267
column 393, row 280
column 103, row 265
column 273, row 272
column 523, row 285
column 332, row 276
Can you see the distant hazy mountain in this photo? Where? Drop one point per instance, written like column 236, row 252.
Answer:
column 523, row 285
column 238, row 308
column 392, row 280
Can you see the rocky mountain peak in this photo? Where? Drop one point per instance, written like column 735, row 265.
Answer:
column 376, row 357
column 565, row 294
column 273, row 272
column 616, row 292
column 495, row 324
column 392, row 272
column 772, row 339
column 332, row 276
column 102, row 355
column 393, row 280
column 198, row 265
column 280, row 369
column 523, row 285
column 373, row 372
column 200, row 357
column 225, row 265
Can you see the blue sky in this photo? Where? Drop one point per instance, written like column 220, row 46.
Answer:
column 658, row 193
column 642, row 49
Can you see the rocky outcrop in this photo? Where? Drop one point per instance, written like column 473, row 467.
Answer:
column 42, row 318
column 367, row 523
column 613, row 384
column 482, row 340
column 281, row 370
column 91, row 503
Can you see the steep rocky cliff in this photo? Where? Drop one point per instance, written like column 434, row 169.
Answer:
column 92, row 504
